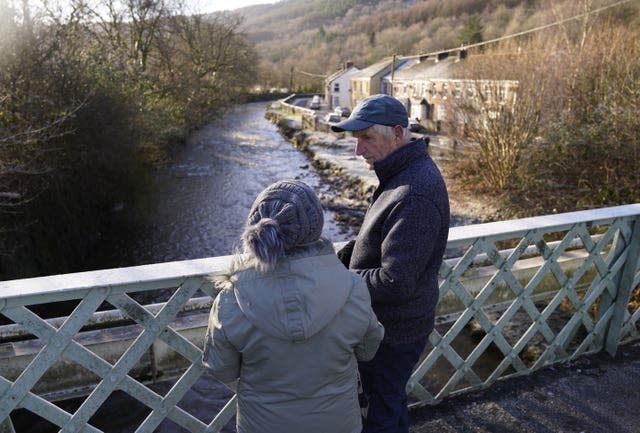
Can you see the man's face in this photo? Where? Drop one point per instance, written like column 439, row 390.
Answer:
column 374, row 146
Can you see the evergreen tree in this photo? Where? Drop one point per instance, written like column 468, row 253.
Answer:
column 472, row 32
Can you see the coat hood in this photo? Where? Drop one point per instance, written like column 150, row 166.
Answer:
column 299, row 297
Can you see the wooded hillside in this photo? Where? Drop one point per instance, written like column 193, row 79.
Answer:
column 316, row 37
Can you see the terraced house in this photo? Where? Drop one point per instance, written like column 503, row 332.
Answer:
column 435, row 88
column 439, row 93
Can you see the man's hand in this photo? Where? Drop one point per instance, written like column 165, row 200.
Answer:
column 345, row 253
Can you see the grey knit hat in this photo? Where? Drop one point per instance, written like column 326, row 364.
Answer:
column 295, row 207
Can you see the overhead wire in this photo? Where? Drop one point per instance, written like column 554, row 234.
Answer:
column 491, row 41
column 515, row 35
column 310, row 74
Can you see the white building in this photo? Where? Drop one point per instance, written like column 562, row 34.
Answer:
column 338, row 87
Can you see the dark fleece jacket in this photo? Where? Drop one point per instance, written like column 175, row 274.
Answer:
column 400, row 246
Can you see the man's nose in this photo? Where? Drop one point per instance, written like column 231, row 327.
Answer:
column 359, row 147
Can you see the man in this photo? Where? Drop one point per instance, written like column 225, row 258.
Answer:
column 398, row 252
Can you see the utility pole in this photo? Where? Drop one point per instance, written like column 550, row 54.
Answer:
column 393, row 70
column 291, row 81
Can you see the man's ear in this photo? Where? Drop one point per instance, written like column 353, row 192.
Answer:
column 398, row 133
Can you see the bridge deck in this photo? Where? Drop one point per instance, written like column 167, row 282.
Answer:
column 594, row 394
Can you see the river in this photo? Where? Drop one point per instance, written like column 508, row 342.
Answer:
column 197, row 205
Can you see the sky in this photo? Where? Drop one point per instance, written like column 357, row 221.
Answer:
column 205, row 6
column 192, row 6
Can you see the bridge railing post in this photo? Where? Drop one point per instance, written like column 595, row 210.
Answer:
column 625, row 286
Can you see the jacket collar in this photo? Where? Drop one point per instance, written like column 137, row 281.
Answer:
column 399, row 159
column 240, row 262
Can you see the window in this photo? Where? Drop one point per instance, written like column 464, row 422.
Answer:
column 336, row 87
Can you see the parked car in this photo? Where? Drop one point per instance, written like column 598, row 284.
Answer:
column 342, row 111
column 315, row 102
column 416, row 126
column 332, row 118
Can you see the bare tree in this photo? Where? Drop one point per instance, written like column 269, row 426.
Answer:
column 568, row 140
column 501, row 110
column 90, row 92
column 594, row 136
column 29, row 123
column 206, row 63
column 129, row 28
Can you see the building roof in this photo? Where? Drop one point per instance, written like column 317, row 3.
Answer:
column 375, row 69
column 400, row 65
column 428, row 69
column 341, row 72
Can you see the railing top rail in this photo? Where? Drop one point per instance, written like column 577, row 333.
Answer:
column 510, row 228
column 67, row 286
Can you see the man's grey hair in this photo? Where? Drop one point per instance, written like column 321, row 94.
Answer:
column 387, row 131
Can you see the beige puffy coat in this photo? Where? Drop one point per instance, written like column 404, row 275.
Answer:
column 293, row 338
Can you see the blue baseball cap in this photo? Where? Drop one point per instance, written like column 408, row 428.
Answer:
column 375, row 110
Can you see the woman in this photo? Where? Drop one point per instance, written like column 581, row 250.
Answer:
column 291, row 322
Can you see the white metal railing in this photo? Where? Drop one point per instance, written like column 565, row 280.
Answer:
column 522, row 295
column 531, row 312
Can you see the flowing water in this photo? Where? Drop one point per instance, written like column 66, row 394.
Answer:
column 197, row 205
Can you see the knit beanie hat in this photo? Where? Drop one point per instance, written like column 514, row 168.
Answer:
column 287, row 213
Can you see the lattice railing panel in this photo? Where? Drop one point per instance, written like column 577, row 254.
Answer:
column 531, row 296
column 61, row 345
